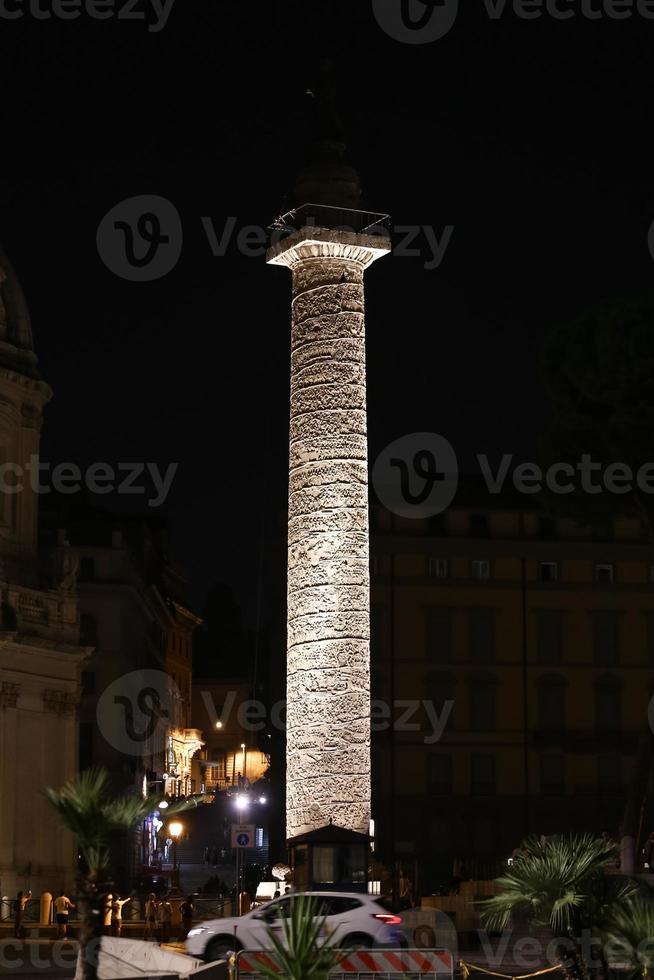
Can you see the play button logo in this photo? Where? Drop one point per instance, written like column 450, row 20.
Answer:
column 416, row 21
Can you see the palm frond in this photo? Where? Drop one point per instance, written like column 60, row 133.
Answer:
column 87, row 808
column 299, row 952
column 631, row 928
column 550, row 882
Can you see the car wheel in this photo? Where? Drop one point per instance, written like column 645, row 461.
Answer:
column 221, row 948
column 358, row 940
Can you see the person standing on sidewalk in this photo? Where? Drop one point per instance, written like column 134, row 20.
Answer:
column 62, row 905
column 150, row 917
column 187, row 909
column 21, row 904
column 117, row 915
column 164, row 915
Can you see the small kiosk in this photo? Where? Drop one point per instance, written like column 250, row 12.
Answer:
column 330, row 859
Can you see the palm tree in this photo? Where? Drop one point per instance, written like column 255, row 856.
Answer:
column 298, row 952
column 559, row 882
column 86, row 807
column 631, row 928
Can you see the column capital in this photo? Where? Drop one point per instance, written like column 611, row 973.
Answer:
column 311, row 242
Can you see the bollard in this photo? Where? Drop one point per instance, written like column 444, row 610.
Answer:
column 46, row 909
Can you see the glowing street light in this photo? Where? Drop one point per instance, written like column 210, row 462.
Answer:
column 175, row 829
column 219, row 724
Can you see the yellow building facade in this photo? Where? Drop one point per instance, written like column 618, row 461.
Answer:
column 540, row 636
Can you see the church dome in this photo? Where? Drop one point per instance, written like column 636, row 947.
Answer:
column 16, row 344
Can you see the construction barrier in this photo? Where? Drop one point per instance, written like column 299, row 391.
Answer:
column 426, row 964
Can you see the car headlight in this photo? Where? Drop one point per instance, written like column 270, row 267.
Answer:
column 197, row 931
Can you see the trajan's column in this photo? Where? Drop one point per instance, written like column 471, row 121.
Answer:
column 328, row 243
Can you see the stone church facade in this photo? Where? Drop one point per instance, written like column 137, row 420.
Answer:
column 40, row 655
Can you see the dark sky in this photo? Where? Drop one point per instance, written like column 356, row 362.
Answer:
column 531, row 137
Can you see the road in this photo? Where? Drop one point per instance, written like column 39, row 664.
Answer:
column 37, row 958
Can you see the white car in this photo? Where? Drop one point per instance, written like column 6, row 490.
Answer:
column 357, row 922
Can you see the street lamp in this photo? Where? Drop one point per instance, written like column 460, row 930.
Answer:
column 175, row 829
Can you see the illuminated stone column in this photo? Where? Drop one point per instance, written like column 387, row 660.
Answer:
column 328, row 661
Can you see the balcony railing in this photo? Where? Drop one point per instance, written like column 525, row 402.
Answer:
column 335, row 219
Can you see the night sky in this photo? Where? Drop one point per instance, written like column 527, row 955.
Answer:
column 531, row 137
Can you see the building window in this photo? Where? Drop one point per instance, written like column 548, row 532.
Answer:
column 548, row 571
column 88, row 682
column 551, row 703
column 438, row 568
column 376, row 630
column 86, row 569
column 439, row 688
column 609, row 773
column 606, row 638
column 546, row 528
column 549, row 636
column 552, row 775
column 649, row 617
column 484, row 837
column 440, row 774
column 481, row 636
column 440, row 833
column 481, row 569
column 604, row 574
column 436, row 525
column 483, row 704
column 482, row 775
column 438, row 635
column 608, row 705
column 479, row 526
column 88, row 630
column 85, row 745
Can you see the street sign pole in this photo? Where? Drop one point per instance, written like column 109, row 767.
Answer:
column 242, row 839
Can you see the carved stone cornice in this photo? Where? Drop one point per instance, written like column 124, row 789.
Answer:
column 327, row 243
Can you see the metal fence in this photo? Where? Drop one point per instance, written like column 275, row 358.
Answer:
column 32, row 911
column 133, row 911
